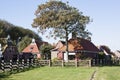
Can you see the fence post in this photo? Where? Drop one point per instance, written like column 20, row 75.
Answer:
column 28, row 63
column 31, row 64
column 76, row 63
column 118, row 61
column 23, row 64
column 49, row 63
column 39, row 63
column 97, row 62
column 101, row 62
column 17, row 63
column 2, row 65
column 89, row 63
column 11, row 68
column 93, row 62
column 62, row 63
column 35, row 63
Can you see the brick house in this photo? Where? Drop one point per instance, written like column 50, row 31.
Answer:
column 76, row 47
column 31, row 50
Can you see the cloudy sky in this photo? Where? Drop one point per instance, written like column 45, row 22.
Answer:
column 104, row 13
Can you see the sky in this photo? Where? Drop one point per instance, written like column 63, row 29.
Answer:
column 104, row 13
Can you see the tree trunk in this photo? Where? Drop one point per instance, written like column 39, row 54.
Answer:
column 67, row 52
column 74, row 35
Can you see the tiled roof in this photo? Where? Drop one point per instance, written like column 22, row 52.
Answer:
column 59, row 45
column 32, row 48
column 87, row 45
column 78, row 44
column 70, row 48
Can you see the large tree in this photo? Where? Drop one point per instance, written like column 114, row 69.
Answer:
column 16, row 33
column 24, row 43
column 60, row 19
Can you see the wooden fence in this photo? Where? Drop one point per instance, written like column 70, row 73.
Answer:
column 26, row 64
column 72, row 63
column 105, row 62
column 18, row 65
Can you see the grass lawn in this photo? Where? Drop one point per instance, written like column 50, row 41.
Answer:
column 54, row 73
column 108, row 73
column 66, row 73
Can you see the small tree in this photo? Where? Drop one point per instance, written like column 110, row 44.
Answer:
column 45, row 51
column 61, row 19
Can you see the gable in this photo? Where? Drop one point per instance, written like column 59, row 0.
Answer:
column 70, row 48
column 32, row 48
column 60, row 44
column 83, row 44
column 77, row 44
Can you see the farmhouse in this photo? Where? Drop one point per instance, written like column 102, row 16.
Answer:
column 31, row 51
column 78, row 49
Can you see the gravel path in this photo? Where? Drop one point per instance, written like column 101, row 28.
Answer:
column 94, row 74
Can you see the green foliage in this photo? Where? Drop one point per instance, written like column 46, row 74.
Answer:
column 60, row 19
column 45, row 51
column 16, row 33
column 24, row 43
column 3, row 42
column 101, row 55
column 106, row 48
column 4, row 26
column 55, row 59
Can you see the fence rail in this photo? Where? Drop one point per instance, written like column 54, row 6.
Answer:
column 105, row 62
column 25, row 64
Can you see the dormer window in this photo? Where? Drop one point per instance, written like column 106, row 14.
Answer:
column 31, row 48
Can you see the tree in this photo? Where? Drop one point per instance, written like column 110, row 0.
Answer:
column 61, row 19
column 24, row 43
column 45, row 51
column 16, row 33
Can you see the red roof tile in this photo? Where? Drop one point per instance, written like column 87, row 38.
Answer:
column 87, row 45
column 78, row 44
column 33, row 48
